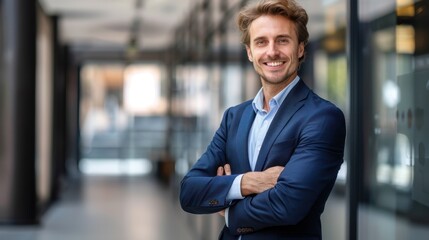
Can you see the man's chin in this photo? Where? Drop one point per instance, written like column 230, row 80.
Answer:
column 277, row 80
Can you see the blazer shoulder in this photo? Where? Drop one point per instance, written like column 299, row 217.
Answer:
column 239, row 109
column 233, row 115
column 322, row 102
column 242, row 105
column 320, row 106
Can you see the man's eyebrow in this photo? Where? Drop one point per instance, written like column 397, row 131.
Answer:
column 279, row 36
column 259, row 38
column 284, row 36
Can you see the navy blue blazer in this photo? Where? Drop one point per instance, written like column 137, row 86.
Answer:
column 306, row 136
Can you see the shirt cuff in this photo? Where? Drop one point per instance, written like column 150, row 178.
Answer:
column 226, row 216
column 235, row 190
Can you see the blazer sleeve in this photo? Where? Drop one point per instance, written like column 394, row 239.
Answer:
column 201, row 191
column 310, row 172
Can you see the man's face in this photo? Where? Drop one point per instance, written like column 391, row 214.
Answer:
column 274, row 49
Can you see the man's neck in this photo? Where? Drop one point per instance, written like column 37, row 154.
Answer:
column 271, row 90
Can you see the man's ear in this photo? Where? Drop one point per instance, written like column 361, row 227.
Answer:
column 249, row 53
column 301, row 50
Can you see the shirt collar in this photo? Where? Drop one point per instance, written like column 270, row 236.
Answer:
column 258, row 101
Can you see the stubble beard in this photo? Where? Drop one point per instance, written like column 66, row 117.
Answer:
column 283, row 79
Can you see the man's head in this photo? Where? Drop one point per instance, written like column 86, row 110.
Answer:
column 286, row 8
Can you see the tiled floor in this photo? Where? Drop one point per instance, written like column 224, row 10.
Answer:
column 110, row 208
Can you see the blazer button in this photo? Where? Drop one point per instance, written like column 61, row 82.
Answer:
column 213, row 202
column 244, row 230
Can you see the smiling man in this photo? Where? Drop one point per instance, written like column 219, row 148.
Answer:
column 273, row 161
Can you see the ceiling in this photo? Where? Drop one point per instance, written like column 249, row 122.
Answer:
column 111, row 24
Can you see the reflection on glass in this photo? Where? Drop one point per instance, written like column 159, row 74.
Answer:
column 405, row 42
column 395, row 196
column 421, row 140
column 391, row 94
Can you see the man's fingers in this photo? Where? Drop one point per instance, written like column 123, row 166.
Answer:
column 279, row 170
column 275, row 170
column 227, row 169
column 219, row 171
column 222, row 213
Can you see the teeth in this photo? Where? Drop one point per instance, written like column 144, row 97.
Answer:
column 274, row 64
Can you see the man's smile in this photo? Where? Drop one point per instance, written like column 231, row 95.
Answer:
column 274, row 64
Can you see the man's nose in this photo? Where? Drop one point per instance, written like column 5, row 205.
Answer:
column 272, row 50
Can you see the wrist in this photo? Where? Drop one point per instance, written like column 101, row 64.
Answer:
column 246, row 184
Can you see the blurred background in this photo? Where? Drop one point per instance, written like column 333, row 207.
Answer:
column 106, row 104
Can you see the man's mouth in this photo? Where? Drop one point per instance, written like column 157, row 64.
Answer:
column 274, row 64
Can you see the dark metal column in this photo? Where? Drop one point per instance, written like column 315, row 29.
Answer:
column 244, row 63
column 354, row 51
column 59, row 113
column 72, row 118
column 223, row 51
column 17, row 130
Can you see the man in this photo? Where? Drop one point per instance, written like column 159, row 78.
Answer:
column 273, row 161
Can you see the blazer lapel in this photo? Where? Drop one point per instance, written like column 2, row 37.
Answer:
column 246, row 122
column 288, row 108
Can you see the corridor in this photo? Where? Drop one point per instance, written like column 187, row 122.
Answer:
column 141, row 87
column 110, row 208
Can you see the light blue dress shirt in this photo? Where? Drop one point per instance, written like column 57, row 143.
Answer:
column 257, row 134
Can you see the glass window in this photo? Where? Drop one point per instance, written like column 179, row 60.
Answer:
column 123, row 122
column 394, row 200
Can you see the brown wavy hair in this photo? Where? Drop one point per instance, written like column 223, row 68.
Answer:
column 286, row 8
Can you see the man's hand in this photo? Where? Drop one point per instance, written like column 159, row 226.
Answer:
column 225, row 170
column 257, row 182
column 253, row 182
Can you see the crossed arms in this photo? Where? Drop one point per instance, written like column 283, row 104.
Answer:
column 253, row 182
column 279, row 195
